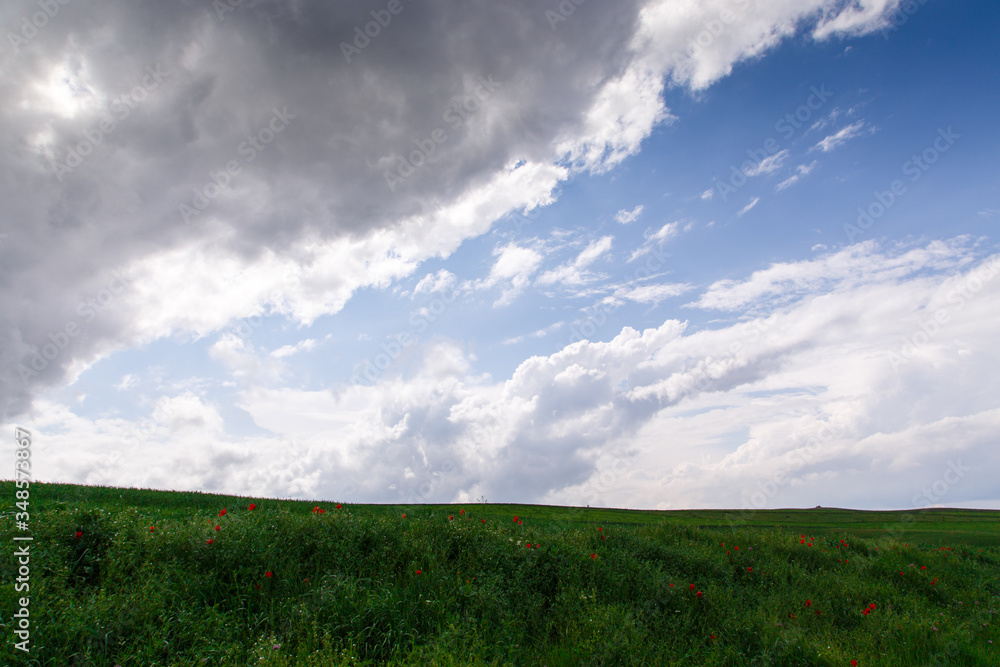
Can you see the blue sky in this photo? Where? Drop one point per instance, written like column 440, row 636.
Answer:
column 734, row 254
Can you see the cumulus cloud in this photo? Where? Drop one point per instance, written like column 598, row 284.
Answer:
column 243, row 181
column 831, row 394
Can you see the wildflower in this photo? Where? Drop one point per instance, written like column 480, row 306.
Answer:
column 528, row 545
column 252, row 507
column 482, row 521
column 817, row 612
column 451, row 517
column 321, row 510
column 223, row 512
column 276, row 647
column 268, row 574
column 338, row 505
column 802, row 541
column 699, row 594
column 519, row 522
column 871, row 605
column 515, row 519
column 791, row 615
column 671, row 585
column 461, row 511
column 315, row 509
column 854, row 663
column 418, row 571
column 209, row 541
column 809, row 603
column 692, row 586
column 923, row 567
column 152, row 528
column 593, row 555
column 217, row 527
column 404, row 515
column 79, row 534
column 749, row 569
column 866, row 611
column 737, row 548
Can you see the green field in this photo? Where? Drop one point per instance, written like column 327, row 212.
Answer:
column 459, row 585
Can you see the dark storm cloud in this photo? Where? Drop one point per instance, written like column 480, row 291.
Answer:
column 116, row 115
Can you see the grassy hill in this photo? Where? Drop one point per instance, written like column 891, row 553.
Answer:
column 139, row 577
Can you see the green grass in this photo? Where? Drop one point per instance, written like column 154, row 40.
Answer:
column 344, row 588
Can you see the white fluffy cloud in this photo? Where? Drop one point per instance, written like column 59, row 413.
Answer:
column 824, row 398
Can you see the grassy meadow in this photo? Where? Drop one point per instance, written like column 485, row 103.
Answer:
column 140, row 578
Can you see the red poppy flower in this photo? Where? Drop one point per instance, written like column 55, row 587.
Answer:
column 268, row 574
column 749, row 569
column 338, row 505
column 809, row 603
column 866, row 611
column 528, row 545
column 791, row 615
column 817, row 612
column 599, row 529
column 222, row 513
column 593, row 555
column 854, row 663
column 418, row 571
column 218, row 527
column 871, row 606
column 404, row 515
column 515, row 518
column 451, row 518
column 538, row 546
column 79, row 534
column 252, row 507
column 671, row 585
column 152, row 528
column 737, row 548
column 519, row 522
column 315, row 509
column 321, row 510
column 209, row 541
column 802, row 541
column 461, row 511
column 482, row 521
column 692, row 586
column 699, row 594
column 923, row 567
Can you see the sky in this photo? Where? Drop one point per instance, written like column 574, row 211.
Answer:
column 654, row 254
